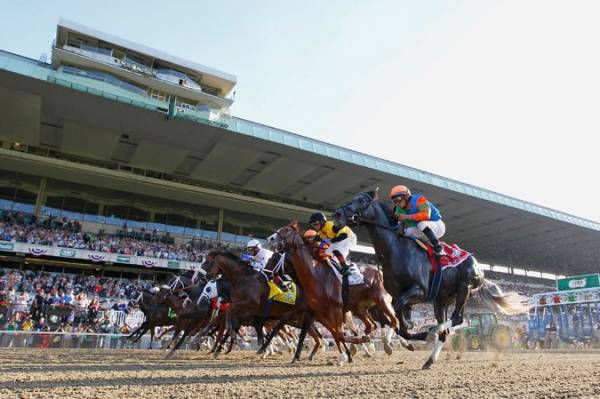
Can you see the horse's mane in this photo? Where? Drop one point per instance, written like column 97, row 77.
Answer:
column 229, row 255
column 386, row 205
column 234, row 257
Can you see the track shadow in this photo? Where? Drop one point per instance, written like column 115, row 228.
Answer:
column 152, row 381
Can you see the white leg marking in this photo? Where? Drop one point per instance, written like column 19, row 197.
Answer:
column 437, row 349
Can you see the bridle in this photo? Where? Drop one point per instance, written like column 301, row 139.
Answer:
column 285, row 242
column 357, row 218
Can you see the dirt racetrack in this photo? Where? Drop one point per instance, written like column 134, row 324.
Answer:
column 26, row 373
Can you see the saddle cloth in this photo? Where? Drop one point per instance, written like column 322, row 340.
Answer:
column 217, row 304
column 454, row 255
column 289, row 296
column 355, row 278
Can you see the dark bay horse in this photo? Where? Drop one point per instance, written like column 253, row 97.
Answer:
column 407, row 272
column 250, row 303
column 156, row 315
column 191, row 314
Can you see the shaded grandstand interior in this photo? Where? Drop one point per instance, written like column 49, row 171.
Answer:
column 112, row 208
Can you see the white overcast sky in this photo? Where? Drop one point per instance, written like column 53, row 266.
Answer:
column 501, row 94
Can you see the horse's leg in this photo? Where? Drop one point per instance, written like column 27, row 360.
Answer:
column 186, row 332
column 369, row 327
column 258, row 326
column 316, row 336
column 215, row 345
column 345, row 353
column 461, row 298
column 140, row 332
column 162, row 334
column 226, row 334
column 386, row 308
column 414, row 294
column 151, row 337
column 177, row 330
column 136, row 332
column 439, row 308
column 307, row 323
column 271, row 335
column 235, row 326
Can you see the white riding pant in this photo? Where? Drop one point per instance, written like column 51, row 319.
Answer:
column 343, row 246
column 438, row 228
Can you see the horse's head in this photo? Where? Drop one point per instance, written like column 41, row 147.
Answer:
column 210, row 266
column 285, row 238
column 222, row 261
column 357, row 210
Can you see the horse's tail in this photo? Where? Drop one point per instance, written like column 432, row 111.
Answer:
column 509, row 303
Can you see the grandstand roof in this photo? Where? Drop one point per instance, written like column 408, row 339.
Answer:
column 280, row 171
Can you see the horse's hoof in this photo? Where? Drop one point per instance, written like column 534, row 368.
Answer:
column 427, row 366
column 410, row 347
column 387, row 348
column 215, row 355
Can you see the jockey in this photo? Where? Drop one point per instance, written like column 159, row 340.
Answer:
column 341, row 240
column 421, row 218
column 256, row 255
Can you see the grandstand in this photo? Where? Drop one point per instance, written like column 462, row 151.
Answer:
column 132, row 143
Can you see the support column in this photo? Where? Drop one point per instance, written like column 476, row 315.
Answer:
column 41, row 196
column 220, row 224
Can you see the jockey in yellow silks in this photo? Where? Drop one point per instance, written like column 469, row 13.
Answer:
column 339, row 239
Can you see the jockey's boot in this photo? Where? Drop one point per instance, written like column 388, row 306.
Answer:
column 344, row 269
column 435, row 243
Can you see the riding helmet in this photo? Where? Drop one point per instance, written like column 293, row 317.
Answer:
column 397, row 191
column 317, row 217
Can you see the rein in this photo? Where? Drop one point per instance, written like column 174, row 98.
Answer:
column 183, row 288
column 358, row 219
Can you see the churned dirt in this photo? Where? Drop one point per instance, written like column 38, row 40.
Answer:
column 30, row 373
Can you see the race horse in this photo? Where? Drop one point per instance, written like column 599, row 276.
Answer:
column 408, row 273
column 250, row 301
column 323, row 290
column 155, row 315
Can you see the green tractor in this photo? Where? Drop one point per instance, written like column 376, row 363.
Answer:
column 482, row 332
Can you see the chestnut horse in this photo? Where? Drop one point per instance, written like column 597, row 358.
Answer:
column 323, row 290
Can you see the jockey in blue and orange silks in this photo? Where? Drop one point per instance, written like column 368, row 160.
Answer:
column 421, row 218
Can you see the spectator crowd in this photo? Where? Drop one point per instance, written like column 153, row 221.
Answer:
column 66, row 233
column 42, row 301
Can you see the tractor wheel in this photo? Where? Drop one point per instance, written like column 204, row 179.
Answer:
column 501, row 338
column 474, row 343
column 459, row 343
